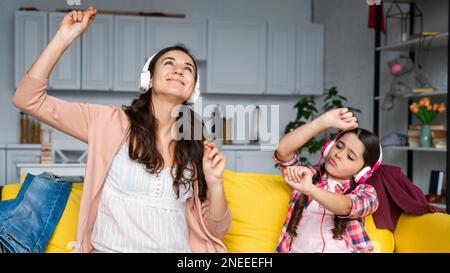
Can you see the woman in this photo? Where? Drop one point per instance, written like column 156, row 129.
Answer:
column 144, row 191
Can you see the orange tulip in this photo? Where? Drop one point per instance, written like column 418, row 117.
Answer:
column 414, row 108
column 413, row 104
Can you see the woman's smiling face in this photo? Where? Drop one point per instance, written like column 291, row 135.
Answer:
column 346, row 157
column 174, row 75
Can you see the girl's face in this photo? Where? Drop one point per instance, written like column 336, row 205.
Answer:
column 346, row 157
column 174, row 75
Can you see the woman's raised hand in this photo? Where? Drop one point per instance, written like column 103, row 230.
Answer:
column 75, row 23
column 341, row 119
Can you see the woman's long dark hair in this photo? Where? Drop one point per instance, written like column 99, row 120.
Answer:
column 143, row 131
column 370, row 155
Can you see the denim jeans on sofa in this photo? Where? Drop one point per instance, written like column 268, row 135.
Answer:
column 28, row 221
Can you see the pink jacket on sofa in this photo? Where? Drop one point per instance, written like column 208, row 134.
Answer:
column 104, row 129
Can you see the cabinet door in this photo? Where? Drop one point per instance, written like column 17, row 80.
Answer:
column 2, row 167
column 163, row 33
column 255, row 162
column 97, row 59
column 66, row 74
column 129, row 54
column 310, row 52
column 30, row 38
column 281, row 58
column 236, row 57
column 230, row 157
column 14, row 157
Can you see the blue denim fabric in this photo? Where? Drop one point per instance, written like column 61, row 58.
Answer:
column 28, row 221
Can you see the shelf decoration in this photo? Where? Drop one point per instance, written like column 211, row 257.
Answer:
column 425, row 111
column 407, row 77
column 397, row 12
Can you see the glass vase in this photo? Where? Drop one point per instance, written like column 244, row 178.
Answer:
column 426, row 140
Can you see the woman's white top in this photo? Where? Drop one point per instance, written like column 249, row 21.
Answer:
column 140, row 212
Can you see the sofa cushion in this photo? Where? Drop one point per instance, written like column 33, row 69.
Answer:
column 382, row 239
column 259, row 204
column 65, row 230
column 428, row 233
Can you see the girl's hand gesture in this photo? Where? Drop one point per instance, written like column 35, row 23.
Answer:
column 299, row 178
column 76, row 23
column 341, row 119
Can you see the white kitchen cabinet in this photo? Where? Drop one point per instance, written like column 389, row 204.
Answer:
column 17, row 154
column 164, row 32
column 97, row 46
column 255, row 162
column 2, row 165
column 236, row 57
column 310, row 58
column 30, row 38
column 281, row 58
column 66, row 74
column 129, row 52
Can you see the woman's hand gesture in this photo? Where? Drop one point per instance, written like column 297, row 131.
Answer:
column 213, row 164
column 76, row 23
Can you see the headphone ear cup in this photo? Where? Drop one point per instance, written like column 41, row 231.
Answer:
column 145, row 81
column 194, row 97
column 363, row 174
column 327, row 147
column 196, row 93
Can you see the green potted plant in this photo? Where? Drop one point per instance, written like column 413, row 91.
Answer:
column 307, row 111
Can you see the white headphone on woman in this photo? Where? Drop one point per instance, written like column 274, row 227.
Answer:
column 146, row 77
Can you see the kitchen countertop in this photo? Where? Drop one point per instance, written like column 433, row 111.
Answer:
column 245, row 147
column 225, row 147
column 21, row 146
column 251, row 147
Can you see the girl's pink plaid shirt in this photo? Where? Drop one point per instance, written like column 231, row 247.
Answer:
column 364, row 202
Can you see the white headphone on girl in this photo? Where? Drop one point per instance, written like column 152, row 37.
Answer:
column 363, row 174
column 146, row 77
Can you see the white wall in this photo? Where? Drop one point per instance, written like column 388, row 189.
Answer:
column 349, row 64
column 248, row 10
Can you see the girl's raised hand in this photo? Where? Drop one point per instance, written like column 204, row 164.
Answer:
column 340, row 118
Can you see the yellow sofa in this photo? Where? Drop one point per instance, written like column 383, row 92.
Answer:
column 259, row 203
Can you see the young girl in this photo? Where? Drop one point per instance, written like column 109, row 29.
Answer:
column 328, row 206
column 144, row 190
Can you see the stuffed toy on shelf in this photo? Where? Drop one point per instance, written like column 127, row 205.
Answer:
column 406, row 78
